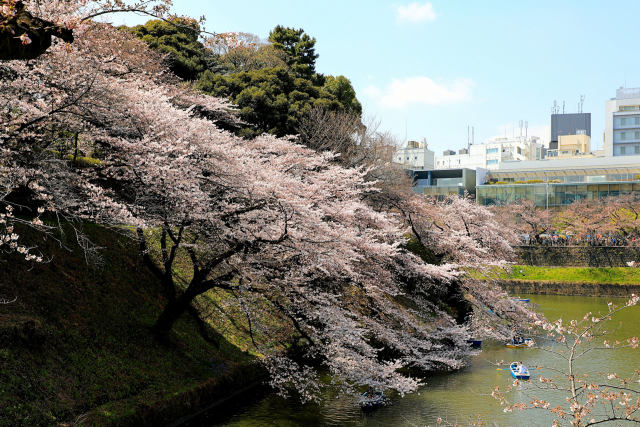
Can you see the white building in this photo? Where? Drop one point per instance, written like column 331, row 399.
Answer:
column 622, row 123
column 471, row 158
column 415, row 156
column 492, row 153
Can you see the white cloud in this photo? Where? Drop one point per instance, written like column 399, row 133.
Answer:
column 415, row 12
column 372, row 91
column 421, row 90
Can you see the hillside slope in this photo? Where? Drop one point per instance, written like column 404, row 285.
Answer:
column 76, row 345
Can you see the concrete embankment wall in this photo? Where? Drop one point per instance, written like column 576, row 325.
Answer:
column 578, row 256
column 517, row 287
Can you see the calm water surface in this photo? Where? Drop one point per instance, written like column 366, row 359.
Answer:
column 461, row 396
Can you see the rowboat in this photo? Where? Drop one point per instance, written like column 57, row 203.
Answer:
column 372, row 399
column 527, row 342
column 527, row 300
column 515, row 372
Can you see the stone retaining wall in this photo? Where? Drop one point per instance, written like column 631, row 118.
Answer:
column 518, row 287
column 578, row 256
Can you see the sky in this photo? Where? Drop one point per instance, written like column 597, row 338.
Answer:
column 430, row 69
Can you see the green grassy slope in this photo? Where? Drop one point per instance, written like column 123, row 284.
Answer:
column 596, row 275
column 76, row 345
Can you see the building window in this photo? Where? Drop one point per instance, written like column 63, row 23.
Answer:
column 623, row 136
column 492, row 150
column 623, row 121
column 623, row 150
column 492, row 162
column 399, row 159
column 637, row 134
column 407, row 157
column 415, row 158
column 637, row 149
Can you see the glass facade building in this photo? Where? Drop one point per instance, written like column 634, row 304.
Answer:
column 445, row 182
column 552, row 194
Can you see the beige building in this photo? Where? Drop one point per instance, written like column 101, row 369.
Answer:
column 574, row 146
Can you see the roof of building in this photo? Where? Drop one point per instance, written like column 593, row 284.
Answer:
column 569, row 166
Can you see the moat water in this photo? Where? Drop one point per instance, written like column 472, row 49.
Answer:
column 459, row 397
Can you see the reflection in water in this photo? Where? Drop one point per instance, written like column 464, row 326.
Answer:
column 461, row 396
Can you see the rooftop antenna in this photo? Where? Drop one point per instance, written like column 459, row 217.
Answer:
column 526, row 130
column 581, row 104
column 405, row 129
column 521, row 125
column 562, row 107
column 554, row 109
column 473, row 137
column 468, row 140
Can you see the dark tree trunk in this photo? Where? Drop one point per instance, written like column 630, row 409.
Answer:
column 175, row 308
column 39, row 32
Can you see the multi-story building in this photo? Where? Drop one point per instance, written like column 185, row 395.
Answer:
column 493, row 152
column 622, row 123
column 569, row 124
column 416, row 155
column 470, row 158
column 572, row 146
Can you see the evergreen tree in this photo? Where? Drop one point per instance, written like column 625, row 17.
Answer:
column 187, row 56
column 299, row 48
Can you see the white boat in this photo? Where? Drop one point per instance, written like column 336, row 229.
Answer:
column 515, row 372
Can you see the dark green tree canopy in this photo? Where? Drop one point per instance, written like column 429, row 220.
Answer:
column 272, row 99
column 275, row 99
column 340, row 87
column 299, row 48
column 274, row 85
column 188, row 57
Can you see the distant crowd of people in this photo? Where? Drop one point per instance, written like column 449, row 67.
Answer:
column 566, row 239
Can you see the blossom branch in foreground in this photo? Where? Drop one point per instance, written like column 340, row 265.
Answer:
column 589, row 401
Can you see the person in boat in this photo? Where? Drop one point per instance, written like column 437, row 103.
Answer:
column 521, row 368
column 517, row 339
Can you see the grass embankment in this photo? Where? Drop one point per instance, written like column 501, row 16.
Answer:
column 525, row 279
column 76, row 345
column 594, row 275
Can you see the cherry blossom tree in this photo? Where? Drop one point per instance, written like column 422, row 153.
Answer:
column 586, row 218
column 268, row 221
column 263, row 218
column 523, row 217
column 624, row 216
column 269, row 218
column 454, row 233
